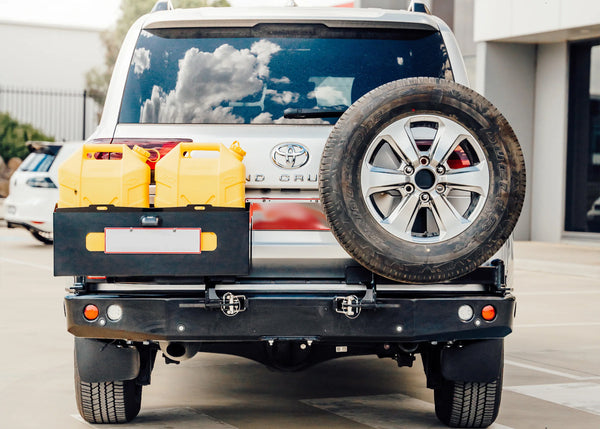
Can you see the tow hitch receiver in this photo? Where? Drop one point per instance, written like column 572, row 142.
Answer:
column 232, row 304
column 348, row 305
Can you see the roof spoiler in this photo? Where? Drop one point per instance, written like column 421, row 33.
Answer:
column 162, row 5
column 419, row 6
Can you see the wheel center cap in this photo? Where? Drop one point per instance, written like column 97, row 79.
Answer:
column 425, row 179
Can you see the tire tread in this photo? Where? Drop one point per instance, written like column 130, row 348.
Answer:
column 111, row 402
column 349, row 223
column 468, row 404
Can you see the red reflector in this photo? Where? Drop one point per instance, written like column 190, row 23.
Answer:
column 96, row 277
column 488, row 313
column 91, row 312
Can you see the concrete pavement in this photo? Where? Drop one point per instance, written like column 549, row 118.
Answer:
column 552, row 377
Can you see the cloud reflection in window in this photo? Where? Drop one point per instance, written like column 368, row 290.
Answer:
column 141, row 60
column 208, row 81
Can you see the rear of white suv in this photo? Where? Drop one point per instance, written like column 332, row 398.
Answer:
column 293, row 87
column 33, row 191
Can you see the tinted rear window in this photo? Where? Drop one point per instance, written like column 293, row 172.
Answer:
column 36, row 161
column 242, row 76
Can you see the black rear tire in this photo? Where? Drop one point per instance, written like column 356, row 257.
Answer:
column 108, row 402
column 468, row 404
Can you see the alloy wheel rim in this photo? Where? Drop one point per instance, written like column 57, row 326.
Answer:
column 425, row 178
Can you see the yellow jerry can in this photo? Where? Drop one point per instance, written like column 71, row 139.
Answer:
column 201, row 173
column 86, row 180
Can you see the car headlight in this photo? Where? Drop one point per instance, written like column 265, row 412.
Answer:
column 40, row 182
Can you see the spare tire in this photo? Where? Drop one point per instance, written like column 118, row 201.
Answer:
column 422, row 180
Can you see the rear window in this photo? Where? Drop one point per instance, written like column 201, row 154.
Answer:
column 36, row 161
column 243, row 76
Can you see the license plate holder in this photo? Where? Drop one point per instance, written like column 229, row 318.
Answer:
column 112, row 241
column 153, row 240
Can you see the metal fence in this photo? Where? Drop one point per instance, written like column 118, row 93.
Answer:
column 65, row 115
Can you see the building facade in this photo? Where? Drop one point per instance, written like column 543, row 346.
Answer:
column 539, row 62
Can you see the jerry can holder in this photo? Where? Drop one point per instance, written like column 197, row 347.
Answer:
column 197, row 240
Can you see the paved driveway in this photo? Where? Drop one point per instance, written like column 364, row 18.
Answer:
column 552, row 371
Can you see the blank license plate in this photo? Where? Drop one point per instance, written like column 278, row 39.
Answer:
column 153, row 240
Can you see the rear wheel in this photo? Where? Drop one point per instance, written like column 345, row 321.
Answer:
column 108, row 402
column 467, row 382
column 468, row 404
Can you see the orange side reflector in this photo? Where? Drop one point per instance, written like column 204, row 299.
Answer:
column 488, row 313
column 91, row 312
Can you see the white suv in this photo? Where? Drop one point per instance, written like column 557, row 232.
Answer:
column 380, row 193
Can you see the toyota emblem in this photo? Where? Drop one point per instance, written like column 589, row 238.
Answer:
column 289, row 155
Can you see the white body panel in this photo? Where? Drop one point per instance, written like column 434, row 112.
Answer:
column 274, row 253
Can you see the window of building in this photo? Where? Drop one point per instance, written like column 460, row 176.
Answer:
column 582, row 211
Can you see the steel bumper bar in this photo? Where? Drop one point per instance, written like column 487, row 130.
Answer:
column 288, row 317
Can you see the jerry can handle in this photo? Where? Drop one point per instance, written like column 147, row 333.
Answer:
column 95, row 148
column 188, row 147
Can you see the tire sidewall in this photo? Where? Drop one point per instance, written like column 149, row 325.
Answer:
column 356, row 131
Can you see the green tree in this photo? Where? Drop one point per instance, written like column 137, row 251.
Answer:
column 97, row 79
column 13, row 136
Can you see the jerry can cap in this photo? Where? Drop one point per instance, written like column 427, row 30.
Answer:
column 237, row 150
column 141, row 151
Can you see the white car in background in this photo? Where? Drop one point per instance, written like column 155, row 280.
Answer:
column 33, row 191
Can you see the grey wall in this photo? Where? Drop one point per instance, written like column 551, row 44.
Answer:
column 506, row 75
column 548, row 177
column 463, row 30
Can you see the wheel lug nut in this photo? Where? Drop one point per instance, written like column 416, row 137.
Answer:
column 409, row 188
column 440, row 169
column 424, row 197
column 408, row 170
column 440, row 189
column 424, row 160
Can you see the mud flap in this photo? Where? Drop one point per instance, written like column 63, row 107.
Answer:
column 479, row 361
column 99, row 361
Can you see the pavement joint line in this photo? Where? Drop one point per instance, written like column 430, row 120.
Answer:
column 582, row 396
column 28, row 264
column 557, row 268
column 576, row 292
column 578, row 275
column 556, row 325
column 382, row 411
column 551, row 371
column 541, row 264
column 200, row 419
